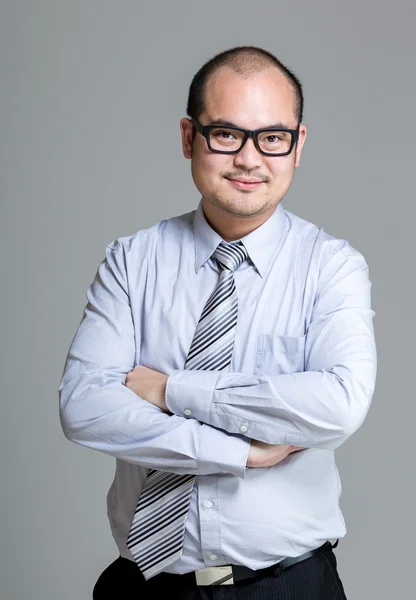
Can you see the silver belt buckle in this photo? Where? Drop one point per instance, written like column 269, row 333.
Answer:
column 215, row 576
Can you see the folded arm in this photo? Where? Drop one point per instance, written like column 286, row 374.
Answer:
column 98, row 411
column 320, row 407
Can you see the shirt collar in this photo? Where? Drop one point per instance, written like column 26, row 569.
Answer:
column 260, row 243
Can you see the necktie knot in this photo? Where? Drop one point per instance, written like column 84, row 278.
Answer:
column 230, row 256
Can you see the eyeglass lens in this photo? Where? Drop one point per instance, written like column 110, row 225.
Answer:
column 275, row 142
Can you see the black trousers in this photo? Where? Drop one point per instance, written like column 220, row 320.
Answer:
column 315, row 578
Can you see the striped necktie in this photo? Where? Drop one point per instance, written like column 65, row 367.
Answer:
column 157, row 531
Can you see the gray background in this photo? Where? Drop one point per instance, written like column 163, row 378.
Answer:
column 91, row 97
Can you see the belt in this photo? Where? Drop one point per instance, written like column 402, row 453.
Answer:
column 230, row 574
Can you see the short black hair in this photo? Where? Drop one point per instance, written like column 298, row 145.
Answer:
column 244, row 60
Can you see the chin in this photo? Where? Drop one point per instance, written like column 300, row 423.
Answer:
column 242, row 205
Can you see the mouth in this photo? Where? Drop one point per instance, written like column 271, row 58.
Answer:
column 245, row 184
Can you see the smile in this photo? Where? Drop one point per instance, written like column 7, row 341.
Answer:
column 245, row 185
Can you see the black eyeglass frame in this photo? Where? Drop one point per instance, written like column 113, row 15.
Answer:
column 205, row 130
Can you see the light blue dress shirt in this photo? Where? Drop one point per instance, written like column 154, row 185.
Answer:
column 303, row 372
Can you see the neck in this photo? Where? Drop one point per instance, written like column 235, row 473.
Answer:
column 233, row 227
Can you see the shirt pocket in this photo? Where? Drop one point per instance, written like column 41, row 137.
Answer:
column 280, row 354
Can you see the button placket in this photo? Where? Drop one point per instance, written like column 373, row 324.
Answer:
column 209, row 519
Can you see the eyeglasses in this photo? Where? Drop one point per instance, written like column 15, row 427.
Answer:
column 227, row 139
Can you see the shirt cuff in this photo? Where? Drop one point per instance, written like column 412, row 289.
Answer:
column 228, row 451
column 189, row 393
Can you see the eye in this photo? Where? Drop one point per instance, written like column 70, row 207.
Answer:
column 273, row 139
column 225, row 135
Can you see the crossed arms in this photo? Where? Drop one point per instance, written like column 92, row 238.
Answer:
column 151, row 386
column 318, row 408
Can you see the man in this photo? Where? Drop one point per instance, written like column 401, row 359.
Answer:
column 222, row 357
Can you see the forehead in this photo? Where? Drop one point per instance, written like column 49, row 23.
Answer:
column 253, row 101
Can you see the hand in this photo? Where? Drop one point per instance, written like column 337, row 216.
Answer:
column 149, row 385
column 267, row 455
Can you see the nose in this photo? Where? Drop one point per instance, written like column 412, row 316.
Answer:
column 249, row 157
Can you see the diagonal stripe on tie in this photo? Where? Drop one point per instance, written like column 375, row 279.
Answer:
column 215, row 338
column 222, row 321
column 157, row 531
column 217, row 311
column 162, row 492
column 158, row 521
column 198, row 361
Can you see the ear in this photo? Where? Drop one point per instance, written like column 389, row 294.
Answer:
column 299, row 145
column 186, row 132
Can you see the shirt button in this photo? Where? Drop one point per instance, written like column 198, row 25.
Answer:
column 188, row 411
column 208, row 504
column 213, row 557
column 243, row 428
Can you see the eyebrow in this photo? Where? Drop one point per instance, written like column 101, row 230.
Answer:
column 278, row 125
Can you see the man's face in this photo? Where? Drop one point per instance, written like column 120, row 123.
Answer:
column 262, row 100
